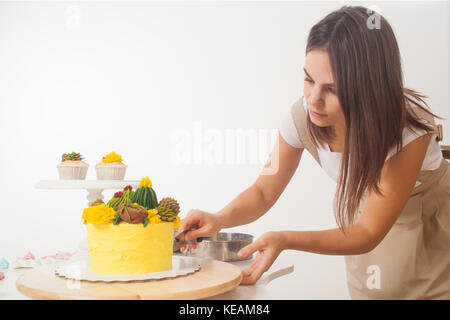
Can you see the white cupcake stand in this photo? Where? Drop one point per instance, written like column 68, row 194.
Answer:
column 95, row 190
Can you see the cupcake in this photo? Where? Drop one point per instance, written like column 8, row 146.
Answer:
column 72, row 167
column 111, row 167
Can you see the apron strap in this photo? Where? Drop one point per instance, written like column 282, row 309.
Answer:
column 300, row 118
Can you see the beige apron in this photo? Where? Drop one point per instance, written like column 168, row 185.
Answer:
column 413, row 260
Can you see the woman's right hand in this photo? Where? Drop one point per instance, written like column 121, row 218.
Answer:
column 203, row 224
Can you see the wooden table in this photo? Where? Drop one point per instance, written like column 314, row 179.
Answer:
column 213, row 278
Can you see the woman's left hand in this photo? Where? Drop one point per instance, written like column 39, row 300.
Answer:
column 269, row 246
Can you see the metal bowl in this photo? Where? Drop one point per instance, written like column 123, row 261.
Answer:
column 223, row 246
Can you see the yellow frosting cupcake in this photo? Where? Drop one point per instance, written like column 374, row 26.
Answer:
column 111, row 167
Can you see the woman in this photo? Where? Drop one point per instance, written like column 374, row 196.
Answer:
column 376, row 140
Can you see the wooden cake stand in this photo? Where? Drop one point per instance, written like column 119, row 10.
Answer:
column 213, row 278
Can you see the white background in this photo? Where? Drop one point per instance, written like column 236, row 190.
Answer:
column 125, row 77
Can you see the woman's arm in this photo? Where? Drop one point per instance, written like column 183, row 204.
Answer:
column 251, row 203
column 398, row 177
column 265, row 191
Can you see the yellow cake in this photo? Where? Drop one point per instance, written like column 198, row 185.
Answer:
column 130, row 248
column 132, row 233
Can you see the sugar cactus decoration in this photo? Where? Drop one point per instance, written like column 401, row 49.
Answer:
column 73, row 156
column 145, row 195
column 131, row 213
column 121, row 197
column 168, row 209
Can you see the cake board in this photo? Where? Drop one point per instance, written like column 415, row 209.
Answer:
column 213, row 278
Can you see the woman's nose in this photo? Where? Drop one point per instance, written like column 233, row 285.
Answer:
column 315, row 97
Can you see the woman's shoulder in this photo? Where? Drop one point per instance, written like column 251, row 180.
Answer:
column 409, row 134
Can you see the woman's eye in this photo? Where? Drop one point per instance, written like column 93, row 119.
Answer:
column 329, row 88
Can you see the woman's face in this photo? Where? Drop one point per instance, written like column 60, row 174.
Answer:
column 320, row 93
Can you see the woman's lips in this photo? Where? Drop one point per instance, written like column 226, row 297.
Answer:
column 317, row 114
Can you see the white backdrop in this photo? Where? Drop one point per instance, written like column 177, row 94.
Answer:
column 148, row 79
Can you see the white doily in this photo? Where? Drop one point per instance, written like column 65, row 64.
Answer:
column 79, row 270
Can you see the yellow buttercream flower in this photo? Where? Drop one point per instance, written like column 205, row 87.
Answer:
column 176, row 223
column 100, row 214
column 155, row 219
column 152, row 212
column 112, row 157
column 145, row 182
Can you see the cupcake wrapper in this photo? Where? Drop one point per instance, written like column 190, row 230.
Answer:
column 111, row 173
column 72, row 172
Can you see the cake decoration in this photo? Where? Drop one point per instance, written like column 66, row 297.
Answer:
column 111, row 167
column 154, row 217
column 112, row 157
column 177, row 222
column 145, row 182
column 27, row 261
column 2, row 276
column 99, row 214
column 72, row 167
column 132, row 234
column 170, row 203
column 61, row 255
column 121, row 197
column 145, row 195
column 168, row 209
column 28, row 256
column 30, row 261
column 4, row 264
column 132, row 213
column 73, row 156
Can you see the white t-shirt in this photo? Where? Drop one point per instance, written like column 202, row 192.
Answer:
column 331, row 161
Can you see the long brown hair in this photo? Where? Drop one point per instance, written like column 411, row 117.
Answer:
column 369, row 86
